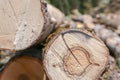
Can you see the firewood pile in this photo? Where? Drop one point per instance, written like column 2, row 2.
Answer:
column 38, row 42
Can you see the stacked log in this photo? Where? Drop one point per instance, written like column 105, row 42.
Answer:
column 75, row 55
column 23, row 23
column 25, row 65
column 56, row 15
column 70, row 54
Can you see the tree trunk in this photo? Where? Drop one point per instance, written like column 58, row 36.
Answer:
column 23, row 68
column 23, row 23
column 75, row 55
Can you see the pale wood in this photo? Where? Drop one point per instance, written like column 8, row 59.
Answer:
column 23, row 68
column 23, row 23
column 75, row 55
column 57, row 16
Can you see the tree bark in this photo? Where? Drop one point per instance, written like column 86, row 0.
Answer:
column 75, row 55
column 23, row 23
column 23, row 68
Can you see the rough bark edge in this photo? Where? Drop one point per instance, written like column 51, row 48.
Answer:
column 47, row 22
column 67, row 31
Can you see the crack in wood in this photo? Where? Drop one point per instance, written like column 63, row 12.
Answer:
column 90, row 63
column 70, row 50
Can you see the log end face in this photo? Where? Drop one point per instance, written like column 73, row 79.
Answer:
column 75, row 55
column 23, row 68
column 75, row 65
column 26, row 23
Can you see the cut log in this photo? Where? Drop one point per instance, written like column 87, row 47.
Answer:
column 56, row 15
column 23, row 68
column 75, row 55
column 23, row 23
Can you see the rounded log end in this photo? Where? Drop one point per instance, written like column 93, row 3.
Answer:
column 23, row 68
column 25, row 24
column 75, row 55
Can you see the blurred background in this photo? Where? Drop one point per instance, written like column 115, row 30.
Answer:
column 87, row 6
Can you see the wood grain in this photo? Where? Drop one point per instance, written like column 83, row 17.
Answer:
column 23, row 68
column 23, row 23
column 75, row 55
